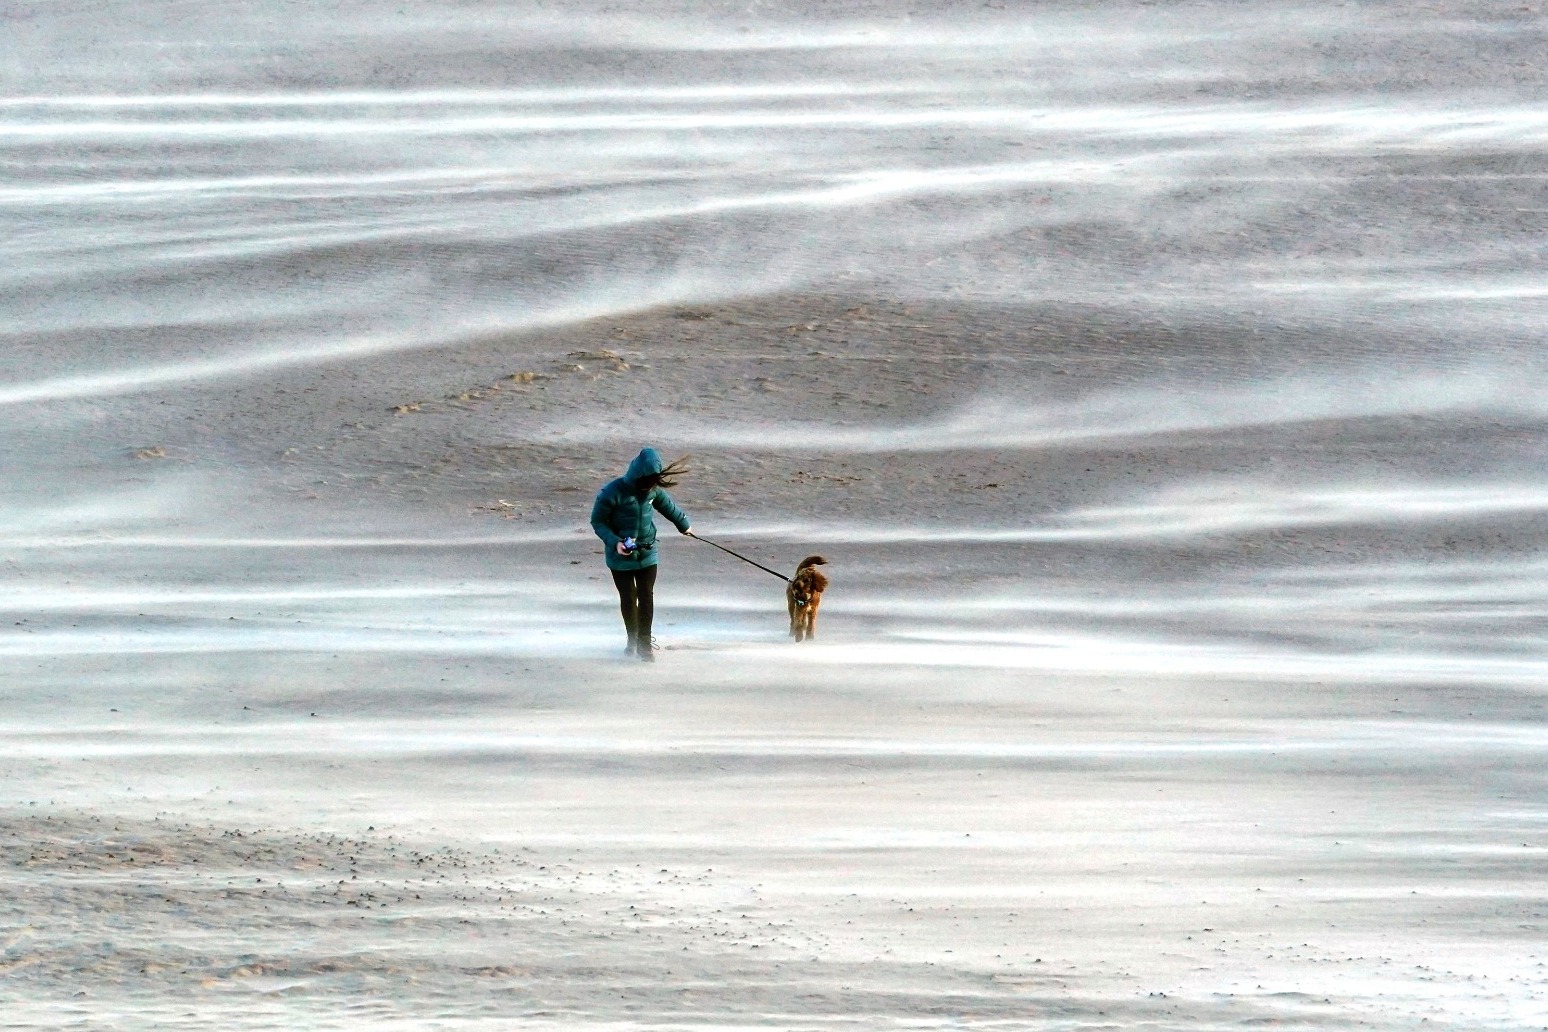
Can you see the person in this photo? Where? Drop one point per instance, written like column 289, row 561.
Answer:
column 621, row 516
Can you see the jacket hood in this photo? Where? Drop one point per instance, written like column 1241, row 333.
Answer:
column 644, row 464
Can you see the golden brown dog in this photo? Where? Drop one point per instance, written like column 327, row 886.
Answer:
column 804, row 595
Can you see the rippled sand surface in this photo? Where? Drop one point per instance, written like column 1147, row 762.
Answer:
column 1162, row 382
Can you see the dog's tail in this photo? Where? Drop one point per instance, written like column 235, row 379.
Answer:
column 811, row 560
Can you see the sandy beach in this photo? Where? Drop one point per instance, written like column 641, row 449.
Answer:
column 1161, row 382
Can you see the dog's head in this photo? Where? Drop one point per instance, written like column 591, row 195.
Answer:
column 807, row 582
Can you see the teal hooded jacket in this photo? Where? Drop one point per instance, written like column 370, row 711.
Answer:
column 622, row 510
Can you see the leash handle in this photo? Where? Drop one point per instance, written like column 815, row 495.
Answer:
column 740, row 556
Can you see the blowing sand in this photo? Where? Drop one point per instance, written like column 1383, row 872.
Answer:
column 1075, row 748
column 1163, row 385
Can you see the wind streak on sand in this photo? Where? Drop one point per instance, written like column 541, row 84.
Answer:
column 1303, row 130
column 151, row 376
column 1110, row 416
column 453, row 737
column 1201, row 510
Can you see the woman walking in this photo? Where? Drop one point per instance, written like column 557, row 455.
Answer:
column 622, row 518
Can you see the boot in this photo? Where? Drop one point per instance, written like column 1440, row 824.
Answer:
column 646, row 650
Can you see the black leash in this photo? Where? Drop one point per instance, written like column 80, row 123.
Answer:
column 740, row 556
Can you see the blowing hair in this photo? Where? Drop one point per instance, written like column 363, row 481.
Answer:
column 669, row 473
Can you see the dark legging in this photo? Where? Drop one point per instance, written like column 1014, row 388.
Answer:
column 637, row 601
